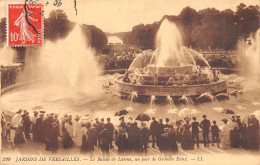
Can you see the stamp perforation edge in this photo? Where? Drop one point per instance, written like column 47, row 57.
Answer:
column 7, row 25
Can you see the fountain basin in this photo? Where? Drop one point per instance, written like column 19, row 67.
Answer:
column 178, row 91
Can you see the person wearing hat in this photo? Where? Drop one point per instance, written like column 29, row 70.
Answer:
column 104, row 137
column 110, row 128
column 121, row 140
column 225, row 135
column 215, row 133
column 186, row 141
column 195, row 131
column 26, row 124
column 16, row 123
column 205, row 126
column 91, row 138
column 33, row 120
column 39, row 136
column 167, row 125
column 144, row 133
column 51, row 133
column 122, row 123
column 153, row 129
column 159, row 132
column 68, row 133
column 77, row 138
column 100, row 127
column 234, row 133
column 133, row 139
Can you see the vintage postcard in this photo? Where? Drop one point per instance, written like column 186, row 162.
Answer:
column 130, row 82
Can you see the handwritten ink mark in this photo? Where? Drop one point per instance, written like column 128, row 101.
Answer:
column 57, row 3
column 75, row 6
column 26, row 14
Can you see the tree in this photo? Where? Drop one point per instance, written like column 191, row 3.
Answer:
column 57, row 25
column 95, row 35
column 2, row 31
column 247, row 19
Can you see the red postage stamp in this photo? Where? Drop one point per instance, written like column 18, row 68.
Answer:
column 24, row 24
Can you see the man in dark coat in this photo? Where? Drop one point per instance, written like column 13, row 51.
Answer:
column 133, row 139
column 39, row 129
column 153, row 128
column 144, row 133
column 91, row 138
column 51, row 133
column 26, row 125
column 159, row 132
column 121, row 140
column 195, row 131
column 104, row 137
column 99, row 128
column 205, row 126
column 253, row 133
column 110, row 128
column 234, row 133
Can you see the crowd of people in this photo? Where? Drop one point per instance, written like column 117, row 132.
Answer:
column 118, row 59
column 223, row 60
column 10, row 75
column 64, row 131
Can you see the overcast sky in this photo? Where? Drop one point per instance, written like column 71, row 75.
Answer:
column 122, row 15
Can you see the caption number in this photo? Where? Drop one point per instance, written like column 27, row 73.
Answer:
column 6, row 159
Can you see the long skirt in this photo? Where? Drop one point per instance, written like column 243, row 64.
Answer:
column 186, row 141
column 225, row 141
column 84, row 146
column 52, row 144
column 121, row 143
column 67, row 141
column 19, row 136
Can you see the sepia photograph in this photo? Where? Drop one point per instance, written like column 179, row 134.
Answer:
column 130, row 81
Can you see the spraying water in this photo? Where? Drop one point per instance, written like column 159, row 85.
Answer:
column 206, row 97
column 133, row 95
column 170, row 100
column 169, row 49
column 71, row 63
column 152, row 101
column 187, row 100
column 253, row 56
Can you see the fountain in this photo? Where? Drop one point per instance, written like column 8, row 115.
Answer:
column 253, row 57
column 152, row 101
column 171, row 70
column 170, row 100
column 187, row 100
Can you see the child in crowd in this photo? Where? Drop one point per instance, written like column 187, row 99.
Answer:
column 215, row 133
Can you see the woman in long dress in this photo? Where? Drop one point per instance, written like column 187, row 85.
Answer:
column 84, row 130
column 186, row 141
column 77, row 138
column 225, row 136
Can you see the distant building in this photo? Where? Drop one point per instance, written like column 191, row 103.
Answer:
column 114, row 40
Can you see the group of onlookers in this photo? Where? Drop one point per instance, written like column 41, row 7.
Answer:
column 67, row 132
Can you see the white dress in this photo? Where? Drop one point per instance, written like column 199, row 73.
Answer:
column 225, row 137
column 77, row 134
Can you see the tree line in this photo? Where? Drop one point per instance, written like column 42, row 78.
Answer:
column 204, row 29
